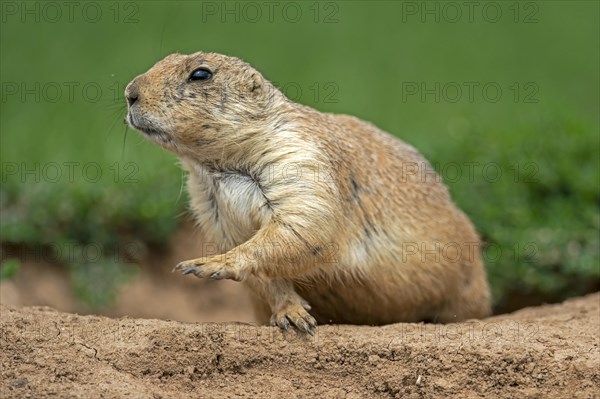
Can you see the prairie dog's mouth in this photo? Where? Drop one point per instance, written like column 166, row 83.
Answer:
column 142, row 125
column 150, row 131
column 136, row 124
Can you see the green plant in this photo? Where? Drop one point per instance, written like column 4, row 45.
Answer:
column 9, row 268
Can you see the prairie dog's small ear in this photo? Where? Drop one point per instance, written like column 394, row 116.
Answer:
column 255, row 83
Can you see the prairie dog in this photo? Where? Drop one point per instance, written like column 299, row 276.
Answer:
column 326, row 218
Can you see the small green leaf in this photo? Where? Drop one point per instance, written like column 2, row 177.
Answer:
column 9, row 268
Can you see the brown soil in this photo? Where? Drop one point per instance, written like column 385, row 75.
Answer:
column 547, row 352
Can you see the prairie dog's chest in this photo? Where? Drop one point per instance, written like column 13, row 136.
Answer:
column 228, row 204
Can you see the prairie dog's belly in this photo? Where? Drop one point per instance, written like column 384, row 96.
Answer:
column 228, row 205
column 360, row 302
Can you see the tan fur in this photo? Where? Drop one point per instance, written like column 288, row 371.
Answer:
column 307, row 207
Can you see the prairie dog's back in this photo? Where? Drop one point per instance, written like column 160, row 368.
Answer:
column 405, row 232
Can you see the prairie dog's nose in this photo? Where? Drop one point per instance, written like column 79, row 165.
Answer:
column 132, row 92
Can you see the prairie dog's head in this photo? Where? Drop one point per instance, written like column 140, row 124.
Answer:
column 187, row 103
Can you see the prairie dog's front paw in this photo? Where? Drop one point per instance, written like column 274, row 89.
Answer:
column 207, row 267
column 295, row 313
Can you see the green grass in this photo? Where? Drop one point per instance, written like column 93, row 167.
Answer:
column 546, row 221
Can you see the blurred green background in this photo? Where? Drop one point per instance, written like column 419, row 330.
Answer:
column 502, row 98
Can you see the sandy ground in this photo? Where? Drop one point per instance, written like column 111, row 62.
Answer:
column 546, row 352
column 169, row 336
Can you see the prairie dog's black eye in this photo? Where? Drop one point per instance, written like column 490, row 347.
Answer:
column 201, row 74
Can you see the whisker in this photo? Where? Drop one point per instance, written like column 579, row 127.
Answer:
column 180, row 187
column 115, row 116
column 124, row 142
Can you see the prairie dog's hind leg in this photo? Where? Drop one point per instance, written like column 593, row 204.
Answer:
column 276, row 302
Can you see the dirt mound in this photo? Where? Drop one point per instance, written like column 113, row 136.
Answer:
column 550, row 351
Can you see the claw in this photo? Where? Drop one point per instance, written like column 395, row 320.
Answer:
column 216, row 276
column 294, row 314
column 284, row 324
column 180, row 265
column 312, row 323
column 302, row 325
column 189, row 270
